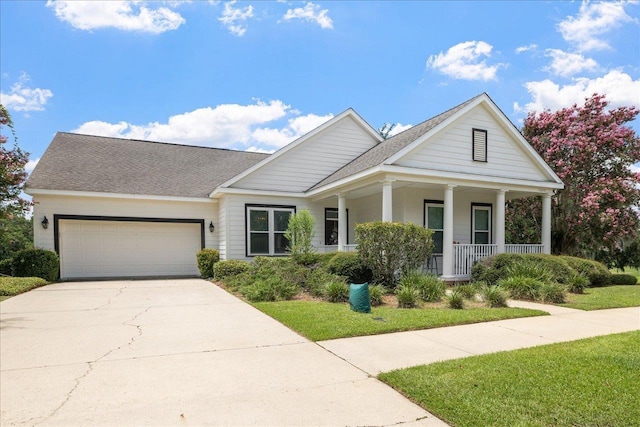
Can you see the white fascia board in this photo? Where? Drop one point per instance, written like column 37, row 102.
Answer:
column 466, row 179
column 45, row 192
column 219, row 192
column 349, row 112
column 335, row 187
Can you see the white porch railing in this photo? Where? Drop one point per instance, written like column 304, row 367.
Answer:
column 524, row 249
column 465, row 255
column 325, row 249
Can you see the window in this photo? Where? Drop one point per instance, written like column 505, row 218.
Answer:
column 434, row 220
column 331, row 226
column 479, row 140
column 266, row 226
column 481, row 224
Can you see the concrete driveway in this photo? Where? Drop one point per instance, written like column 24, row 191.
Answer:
column 174, row 352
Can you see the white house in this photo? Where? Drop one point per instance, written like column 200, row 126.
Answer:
column 125, row 208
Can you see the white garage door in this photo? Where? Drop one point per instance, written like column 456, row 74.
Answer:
column 127, row 249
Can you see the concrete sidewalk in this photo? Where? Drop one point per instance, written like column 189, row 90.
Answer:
column 383, row 353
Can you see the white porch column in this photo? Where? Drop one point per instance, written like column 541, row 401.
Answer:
column 447, row 234
column 546, row 223
column 500, row 199
column 387, row 202
column 342, row 222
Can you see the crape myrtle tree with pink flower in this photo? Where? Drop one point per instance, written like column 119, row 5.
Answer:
column 12, row 172
column 591, row 148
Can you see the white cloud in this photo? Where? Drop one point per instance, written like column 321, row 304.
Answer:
column 226, row 125
column 31, row 165
column 521, row 49
column 235, row 18
column 619, row 87
column 399, row 127
column 567, row 64
column 123, row 15
column 465, row 61
column 296, row 127
column 310, row 13
column 23, row 98
column 593, row 21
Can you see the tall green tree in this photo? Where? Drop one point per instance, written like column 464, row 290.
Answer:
column 591, row 148
column 12, row 171
column 16, row 234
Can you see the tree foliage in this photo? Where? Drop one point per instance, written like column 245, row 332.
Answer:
column 591, row 148
column 388, row 248
column 16, row 234
column 300, row 232
column 12, row 172
column 386, row 129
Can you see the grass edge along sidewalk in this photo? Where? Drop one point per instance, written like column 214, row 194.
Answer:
column 594, row 381
column 320, row 321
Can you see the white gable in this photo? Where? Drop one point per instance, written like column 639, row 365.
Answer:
column 312, row 160
column 451, row 150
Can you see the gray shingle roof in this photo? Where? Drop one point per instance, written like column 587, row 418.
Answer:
column 381, row 152
column 111, row 165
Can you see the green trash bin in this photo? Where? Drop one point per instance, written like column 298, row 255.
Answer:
column 359, row 298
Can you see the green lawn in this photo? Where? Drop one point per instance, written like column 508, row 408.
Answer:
column 607, row 297
column 591, row 382
column 10, row 286
column 323, row 320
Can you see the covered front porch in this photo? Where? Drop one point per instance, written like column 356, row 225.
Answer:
column 467, row 218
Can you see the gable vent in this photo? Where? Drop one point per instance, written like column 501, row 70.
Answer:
column 479, row 145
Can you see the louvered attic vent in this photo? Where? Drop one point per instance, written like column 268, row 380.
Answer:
column 479, row 145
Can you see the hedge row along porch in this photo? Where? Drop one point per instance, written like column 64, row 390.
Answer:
column 130, row 208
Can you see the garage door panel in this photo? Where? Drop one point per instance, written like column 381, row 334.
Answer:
column 118, row 249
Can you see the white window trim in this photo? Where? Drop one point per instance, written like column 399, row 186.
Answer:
column 271, row 227
column 428, row 205
column 475, row 208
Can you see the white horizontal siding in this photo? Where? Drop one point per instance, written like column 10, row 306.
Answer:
column 451, row 150
column 312, row 160
column 72, row 205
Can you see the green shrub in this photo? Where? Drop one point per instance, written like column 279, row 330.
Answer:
column 229, row 268
column 336, row 291
column 495, row 268
column 407, row 296
column 493, row 296
column 377, row 292
column 300, row 231
column 455, row 299
column 272, row 288
column 325, row 259
column 552, row 292
column 520, row 287
column 595, row 271
column 349, row 265
column 530, row 268
column 623, row 279
column 390, row 247
column 559, row 267
column 36, row 263
column 6, row 267
column 306, row 260
column 577, row 283
column 206, row 260
column 10, row 286
column 317, row 279
column 468, row 290
column 429, row 287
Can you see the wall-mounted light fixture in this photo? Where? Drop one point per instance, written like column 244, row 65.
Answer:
column 45, row 223
column 211, row 227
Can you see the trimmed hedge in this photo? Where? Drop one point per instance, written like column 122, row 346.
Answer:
column 36, row 263
column 623, row 279
column 229, row 268
column 6, row 267
column 206, row 260
column 596, row 272
column 349, row 265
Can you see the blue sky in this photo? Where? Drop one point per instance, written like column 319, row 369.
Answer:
column 256, row 75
